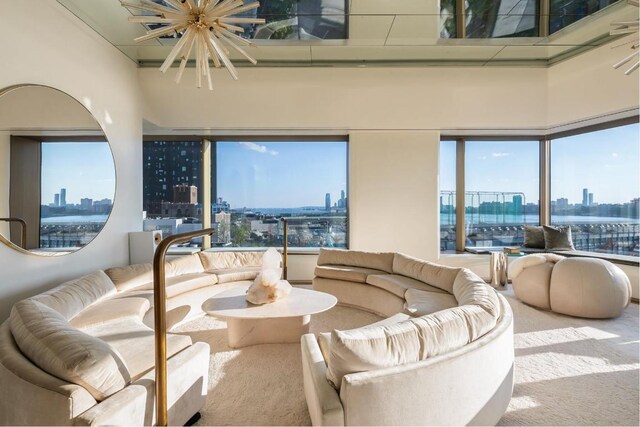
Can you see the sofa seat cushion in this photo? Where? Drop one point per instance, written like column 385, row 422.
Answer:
column 130, row 276
column 341, row 272
column 398, row 285
column 432, row 274
column 421, row 303
column 112, row 309
column 226, row 275
column 382, row 261
column 72, row 297
column 187, row 282
column 224, row 260
column 410, row 341
column 135, row 343
column 46, row 338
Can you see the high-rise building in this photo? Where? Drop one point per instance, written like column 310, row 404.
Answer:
column 590, row 199
column 63, row 197
column 585, row 197
column 167, row 164
column 185, row 193
column 86, row 204
column 327, row 202
column 56, row 199
column 517, row 205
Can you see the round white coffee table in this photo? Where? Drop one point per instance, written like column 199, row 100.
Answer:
column 283, row 321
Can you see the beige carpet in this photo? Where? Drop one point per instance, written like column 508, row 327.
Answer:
column 568, row 371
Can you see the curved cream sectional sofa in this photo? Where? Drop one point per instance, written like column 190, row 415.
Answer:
column 83, row 352
column 443, row 356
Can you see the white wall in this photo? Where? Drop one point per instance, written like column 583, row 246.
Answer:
column 45, row 44
column 393, row 192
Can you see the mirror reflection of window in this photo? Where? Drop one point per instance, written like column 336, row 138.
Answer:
column 77, row 186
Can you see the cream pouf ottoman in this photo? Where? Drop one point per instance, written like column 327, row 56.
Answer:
column 531, row 278
column 589, row 287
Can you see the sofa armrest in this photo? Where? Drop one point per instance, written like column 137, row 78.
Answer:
column 187, row 378
column 323, row 401
column 126, row 407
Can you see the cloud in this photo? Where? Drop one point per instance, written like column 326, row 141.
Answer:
column 259, row 148
column 614, row 154
column 499, row 154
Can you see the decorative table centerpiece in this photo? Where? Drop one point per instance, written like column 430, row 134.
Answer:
column 268, row 287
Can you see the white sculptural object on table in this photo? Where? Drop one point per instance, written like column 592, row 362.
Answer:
column 268, row 287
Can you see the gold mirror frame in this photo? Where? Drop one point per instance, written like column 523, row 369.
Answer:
column 17, row 248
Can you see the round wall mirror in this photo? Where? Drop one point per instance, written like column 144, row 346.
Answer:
column 57, row 175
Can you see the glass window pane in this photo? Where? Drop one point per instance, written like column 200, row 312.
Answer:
column 172, row 189
column 566, row 12
column 502, row 191
column 448, row 196
column 77, row 188
column 261, row 183
column 595, row 188
column 505, row 18
column 448, row 19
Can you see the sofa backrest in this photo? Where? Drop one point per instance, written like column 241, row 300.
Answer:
column 71, row 297
column 130, row 276
column 375, row 260
column 432, row 274
column 46, row 338
column 224, row 260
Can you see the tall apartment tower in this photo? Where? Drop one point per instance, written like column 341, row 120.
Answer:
column 185, row 193
column 585, row 197
column 327, row 202
column 63, row 197
column 590, row 199
column 56, row 199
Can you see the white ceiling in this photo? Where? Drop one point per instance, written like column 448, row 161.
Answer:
column 381, row 33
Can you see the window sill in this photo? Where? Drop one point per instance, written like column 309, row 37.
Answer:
column 290, row 250
column 616, row 259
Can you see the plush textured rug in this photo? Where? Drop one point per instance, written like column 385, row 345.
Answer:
column 568, row 371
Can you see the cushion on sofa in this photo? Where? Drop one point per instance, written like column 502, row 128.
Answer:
column 51, row 343
column 432, row 274
column 398, row 285
column 324, row 342
column 187, row 282
column 188, row 264
column 135, row 343
column 557, row 238
column 533, row 237
column 366, row 349
column 375, row 260
column 72, row 297
column 109, row 310
column 421, row 303
column 343, row 272
column 226, row 275
column 130, row 276
column 224, row 260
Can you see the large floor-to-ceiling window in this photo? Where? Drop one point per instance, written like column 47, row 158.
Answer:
column 587, row 179
column 258, row 186
column 595, row 188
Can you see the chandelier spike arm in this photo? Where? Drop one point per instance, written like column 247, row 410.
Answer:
column 212, row 52
column 160, row 7
column 251, row 6
column 625, row 60
column 211, row 5
column 205, row 55
column 185, row 57
column 234, row 20
column 233, row 36
column 237, row 48
column 192, row 5
column 146, row 8
column 632, row 69
column 176, row 50
column 232, row 27
column 224, row 9
column 224, row 58
column 177, row 4
column 143, row 19
column 162, row 31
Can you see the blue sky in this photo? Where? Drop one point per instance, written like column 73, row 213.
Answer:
column 85, row 169
column 606, row 162
column 281, row 174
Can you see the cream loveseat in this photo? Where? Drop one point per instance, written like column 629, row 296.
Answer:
column 83, row 352
column 443, row 356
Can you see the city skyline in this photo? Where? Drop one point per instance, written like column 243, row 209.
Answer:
column 84, row 169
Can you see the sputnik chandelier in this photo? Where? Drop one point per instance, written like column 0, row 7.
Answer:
column 205, row 27
column 628, row 27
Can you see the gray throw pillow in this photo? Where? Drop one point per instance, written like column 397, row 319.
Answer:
column 557, row 238
column 533, row 237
